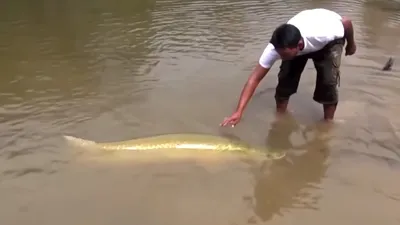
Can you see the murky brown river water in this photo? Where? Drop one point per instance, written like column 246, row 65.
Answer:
column 114, row 71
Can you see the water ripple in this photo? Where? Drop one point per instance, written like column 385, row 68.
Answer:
column 113, row 70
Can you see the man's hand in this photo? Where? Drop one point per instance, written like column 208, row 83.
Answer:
column 350, row 49
column 252, row 82
column 232, row 120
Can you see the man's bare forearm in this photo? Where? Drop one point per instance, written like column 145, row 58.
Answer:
column 348, row 30
column 245, row 96
column 250, row 86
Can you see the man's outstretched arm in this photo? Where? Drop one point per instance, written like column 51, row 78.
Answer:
column 253, row 81
column 264, row 64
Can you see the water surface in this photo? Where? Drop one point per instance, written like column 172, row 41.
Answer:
column 114, row 71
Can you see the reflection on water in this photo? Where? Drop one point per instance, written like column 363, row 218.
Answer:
column 295, row 179
column 113, row 71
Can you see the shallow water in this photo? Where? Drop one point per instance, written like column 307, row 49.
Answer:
column 114, row 71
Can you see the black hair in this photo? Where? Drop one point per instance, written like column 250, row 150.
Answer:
column 285, row 36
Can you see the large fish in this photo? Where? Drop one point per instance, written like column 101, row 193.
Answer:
column 175, row 142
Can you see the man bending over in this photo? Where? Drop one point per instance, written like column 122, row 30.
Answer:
column 317, row 34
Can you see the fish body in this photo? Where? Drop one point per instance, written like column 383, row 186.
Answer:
column 199, row 142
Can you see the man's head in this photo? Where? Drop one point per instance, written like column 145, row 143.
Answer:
column 287, row 41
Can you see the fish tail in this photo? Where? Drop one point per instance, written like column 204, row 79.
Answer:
column 79, row 142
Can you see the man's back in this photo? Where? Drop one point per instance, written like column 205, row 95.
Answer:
column 318, row 27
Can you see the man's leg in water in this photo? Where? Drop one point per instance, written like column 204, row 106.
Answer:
column 327, row 63
column 288, row 81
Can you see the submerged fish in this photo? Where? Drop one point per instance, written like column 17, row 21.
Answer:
column 175, row 142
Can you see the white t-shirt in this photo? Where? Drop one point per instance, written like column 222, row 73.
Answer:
column 317, row 27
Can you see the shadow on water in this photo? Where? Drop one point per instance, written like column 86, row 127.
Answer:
column 289, row 183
